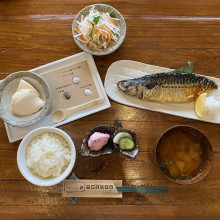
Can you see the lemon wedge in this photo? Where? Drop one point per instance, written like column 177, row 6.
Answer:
column 199, row 104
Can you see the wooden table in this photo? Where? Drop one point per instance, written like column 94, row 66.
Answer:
column 160, row 32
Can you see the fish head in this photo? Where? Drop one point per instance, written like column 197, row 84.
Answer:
column 128, row 87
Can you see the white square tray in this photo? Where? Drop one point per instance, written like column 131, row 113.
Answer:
column 17, row 133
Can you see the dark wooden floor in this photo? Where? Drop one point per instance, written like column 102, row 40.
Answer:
column 160, row 32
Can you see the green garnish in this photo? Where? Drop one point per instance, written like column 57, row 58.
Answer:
column 184, row 178
column 92, row 31
column 113, row 32
column 95, row 21
column 202, row 168
column 163, row 163
column 185, row 69
column 111, row 13
column 100, row 38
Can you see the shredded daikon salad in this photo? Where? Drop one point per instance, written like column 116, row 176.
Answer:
column 97, row 29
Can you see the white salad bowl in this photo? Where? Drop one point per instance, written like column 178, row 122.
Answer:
column 101, row 8
column 21, row 158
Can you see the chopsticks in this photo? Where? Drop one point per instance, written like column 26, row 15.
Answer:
column 142, row 189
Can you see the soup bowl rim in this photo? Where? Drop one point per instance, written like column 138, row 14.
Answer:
column 188, row 181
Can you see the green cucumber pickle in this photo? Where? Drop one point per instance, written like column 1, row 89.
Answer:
column 126, row 143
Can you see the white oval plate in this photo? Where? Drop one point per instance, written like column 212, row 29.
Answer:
column 127, row 69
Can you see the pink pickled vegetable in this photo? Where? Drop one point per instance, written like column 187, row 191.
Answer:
column 98, row 140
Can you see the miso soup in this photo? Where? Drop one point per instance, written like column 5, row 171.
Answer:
column 180, row 154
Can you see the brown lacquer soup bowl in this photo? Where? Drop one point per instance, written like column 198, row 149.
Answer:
column 184, row 155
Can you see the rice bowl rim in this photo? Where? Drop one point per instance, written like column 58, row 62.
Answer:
column 21, row 157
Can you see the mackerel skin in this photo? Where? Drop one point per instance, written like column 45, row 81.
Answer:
column 167, row 87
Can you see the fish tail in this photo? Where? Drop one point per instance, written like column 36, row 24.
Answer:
column 214, row 85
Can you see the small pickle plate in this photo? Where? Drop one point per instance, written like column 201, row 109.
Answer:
column 127, row 69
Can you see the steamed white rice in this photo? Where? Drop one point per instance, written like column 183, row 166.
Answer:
column 48, row 155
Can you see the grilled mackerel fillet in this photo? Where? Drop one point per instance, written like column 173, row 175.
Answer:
column 167, row 87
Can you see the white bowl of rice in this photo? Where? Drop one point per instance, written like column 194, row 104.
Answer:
column 46, row 156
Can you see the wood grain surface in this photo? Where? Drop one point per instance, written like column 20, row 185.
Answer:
column 160, row 32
